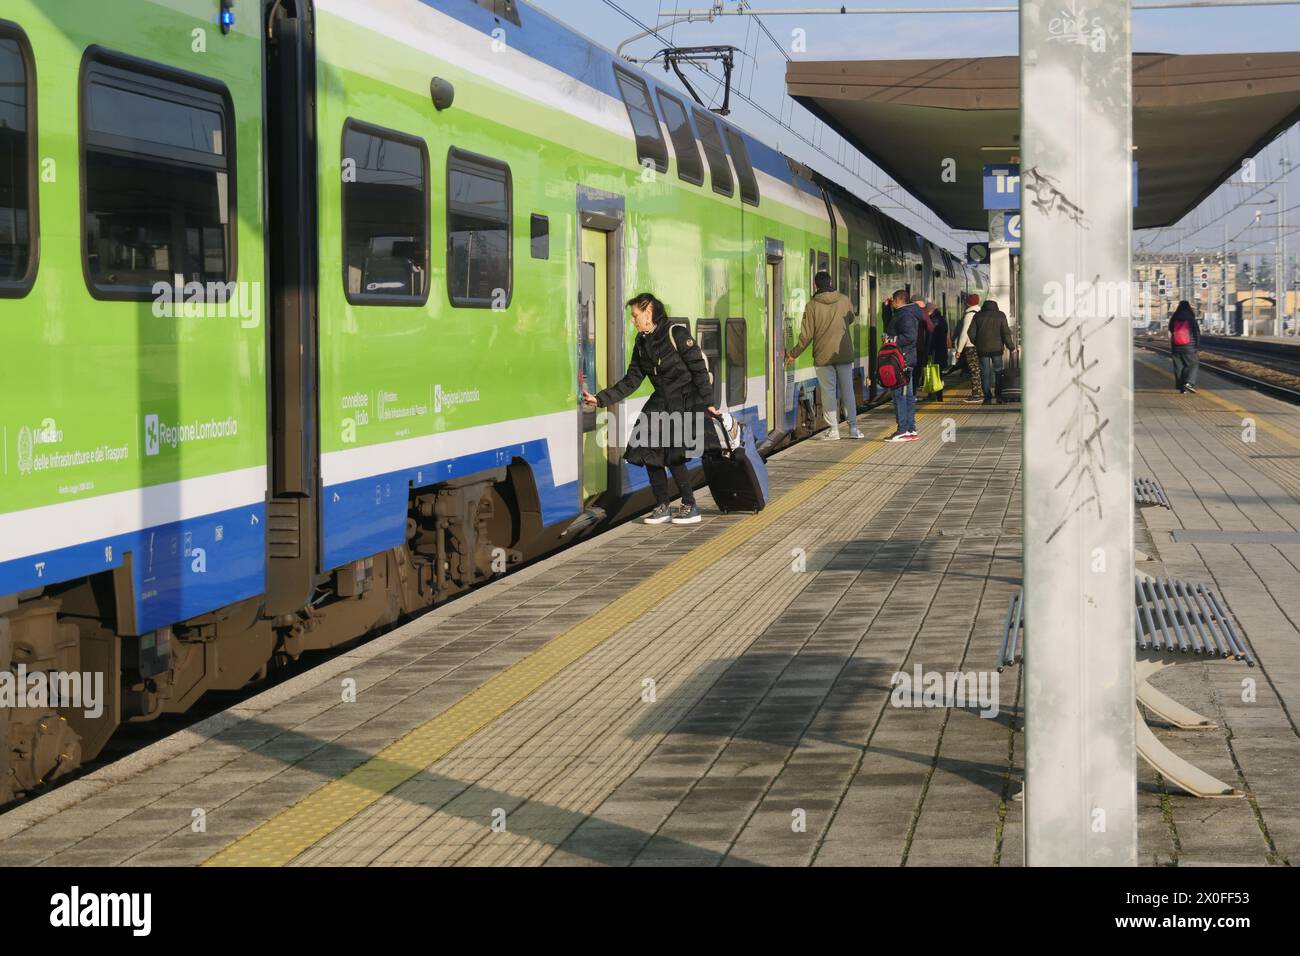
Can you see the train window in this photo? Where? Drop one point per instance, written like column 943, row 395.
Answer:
column 689, row 166
column 844, row 276
column 159, row 192
column 744, row 168
column 650, row 146
column 503, row 9
column 719, row 169
column 385, row 216
column 824, row 262
column 17, row 163
column 812, row 272
column 478, row 231
column 736, row 366
column 708, row 333
column 855, row 286
column 540, row 233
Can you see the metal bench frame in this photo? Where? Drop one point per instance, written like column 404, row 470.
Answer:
column 1176, row 622
column 1148, row 491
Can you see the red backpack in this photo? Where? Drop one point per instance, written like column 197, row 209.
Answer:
column 1182, row 334
column 891, row 367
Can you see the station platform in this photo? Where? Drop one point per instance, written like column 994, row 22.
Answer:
column 721, row 694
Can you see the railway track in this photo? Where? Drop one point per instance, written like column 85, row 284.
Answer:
column 1271, row 356
column 1281, row 356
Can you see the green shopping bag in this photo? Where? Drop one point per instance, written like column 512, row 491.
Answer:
column 933, row 380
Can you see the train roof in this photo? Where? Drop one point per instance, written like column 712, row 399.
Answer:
column 561, row 47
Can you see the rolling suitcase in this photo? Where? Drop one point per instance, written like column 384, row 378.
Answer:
column 734, row 471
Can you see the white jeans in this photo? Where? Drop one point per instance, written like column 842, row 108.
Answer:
column 828, row 378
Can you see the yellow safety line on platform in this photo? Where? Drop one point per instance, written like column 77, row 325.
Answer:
column 1279, row 433
column 297, row 828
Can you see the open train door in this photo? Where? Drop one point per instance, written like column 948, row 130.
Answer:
column 780, row 379
column 600, row 340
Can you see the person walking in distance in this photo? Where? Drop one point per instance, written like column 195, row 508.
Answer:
column 1184, row 340
column 825, row 326
column 905, row 328
column 992, row 335
column 966, row 352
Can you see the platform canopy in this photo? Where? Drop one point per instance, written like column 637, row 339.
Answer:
column 1195, row 117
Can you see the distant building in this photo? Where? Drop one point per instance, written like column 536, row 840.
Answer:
column 1163, row 279
column 1256, row 309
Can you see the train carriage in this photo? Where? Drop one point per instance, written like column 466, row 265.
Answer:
column 297, row 300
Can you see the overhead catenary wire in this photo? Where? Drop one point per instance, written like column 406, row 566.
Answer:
column 740, row 94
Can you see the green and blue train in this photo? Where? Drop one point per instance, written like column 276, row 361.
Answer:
column 296, row 302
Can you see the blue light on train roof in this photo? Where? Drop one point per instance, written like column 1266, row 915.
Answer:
column 227, row 16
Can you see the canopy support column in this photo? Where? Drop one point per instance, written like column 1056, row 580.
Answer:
column 1076, row 188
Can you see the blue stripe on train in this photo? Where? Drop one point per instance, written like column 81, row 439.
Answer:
column 181, row 569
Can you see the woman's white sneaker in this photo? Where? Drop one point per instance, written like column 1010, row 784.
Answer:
column 661, row 515
column 687, row 514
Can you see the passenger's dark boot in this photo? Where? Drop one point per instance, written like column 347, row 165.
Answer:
column 998, row 381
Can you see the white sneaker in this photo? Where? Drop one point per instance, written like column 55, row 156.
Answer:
column 856, row 436
column 829, row 436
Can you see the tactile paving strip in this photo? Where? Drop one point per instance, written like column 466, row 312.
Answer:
column 289, row 833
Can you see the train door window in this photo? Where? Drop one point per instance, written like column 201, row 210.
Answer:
column 689, row 165
column 159, row 191
column 719, row 168
column 478, row 231
column 844, row 276
column 502, row 9
column 17, row 163
column 539, row 233
column 812, row 272
column 855, row 286
column 744, row 168
column 736, row 363
column 385, row 216
column 824, row 262
column 708, row 332
column 650, row 146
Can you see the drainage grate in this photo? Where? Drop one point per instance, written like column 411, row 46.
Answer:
column 1011, row 652
column 1172, row 616
column 1178, row 616
column 1147, row 491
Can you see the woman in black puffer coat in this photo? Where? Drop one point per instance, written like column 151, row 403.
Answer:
column 672, row 360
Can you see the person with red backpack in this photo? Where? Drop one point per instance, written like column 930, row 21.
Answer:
column 1184, row 340
column 900, row 350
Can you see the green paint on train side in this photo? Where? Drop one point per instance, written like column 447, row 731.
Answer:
column 82, row 378
column 700, row 252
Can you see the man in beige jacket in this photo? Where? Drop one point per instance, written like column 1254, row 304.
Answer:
column 826, row 325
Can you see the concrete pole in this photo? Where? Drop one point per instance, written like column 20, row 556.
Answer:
column 1077, row 217
column 1279, row 271
column 1223, row 279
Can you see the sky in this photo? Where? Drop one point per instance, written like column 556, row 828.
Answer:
column 760, row 74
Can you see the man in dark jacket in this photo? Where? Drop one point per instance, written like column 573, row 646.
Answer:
column 991, row 335
column 1184, row 340
column 905, row 329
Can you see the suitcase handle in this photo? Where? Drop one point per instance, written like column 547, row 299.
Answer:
column 726, row 435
